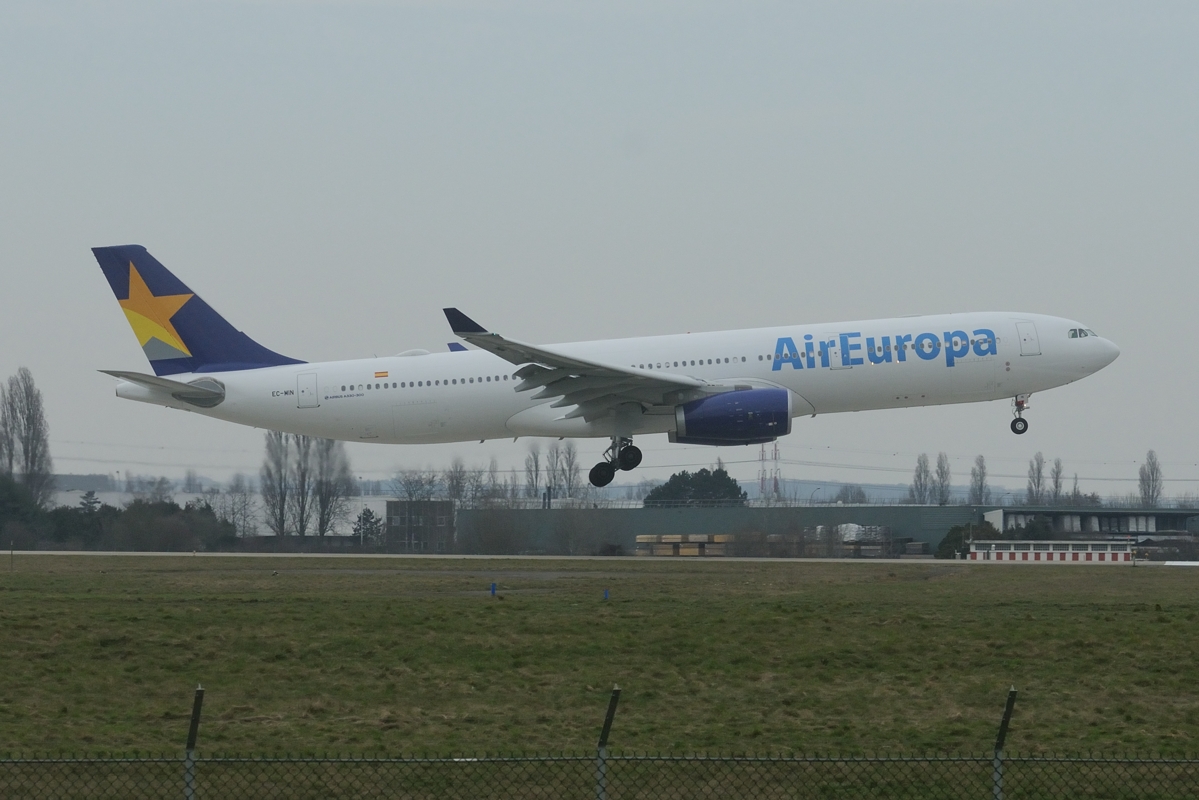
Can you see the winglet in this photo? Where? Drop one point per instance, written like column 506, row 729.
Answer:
column 460, row 323
column 456, row 347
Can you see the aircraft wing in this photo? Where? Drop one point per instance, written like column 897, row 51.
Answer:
column 205, row 392
column 595, row 389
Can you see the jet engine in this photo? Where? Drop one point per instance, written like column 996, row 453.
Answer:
column 747, row 416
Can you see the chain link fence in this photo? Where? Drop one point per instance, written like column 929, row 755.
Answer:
column 614, row 777
column 602, row 775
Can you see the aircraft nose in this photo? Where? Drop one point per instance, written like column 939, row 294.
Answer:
column 1110, row 352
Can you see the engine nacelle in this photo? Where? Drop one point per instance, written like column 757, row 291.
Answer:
column 749, row 416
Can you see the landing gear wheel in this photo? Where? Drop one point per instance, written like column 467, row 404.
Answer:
column 1019, row 425
column 602, row 474
column 629, row 457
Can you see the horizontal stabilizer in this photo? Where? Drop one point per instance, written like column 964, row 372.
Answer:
column 204, row 393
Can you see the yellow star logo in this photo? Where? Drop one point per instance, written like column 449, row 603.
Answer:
column 150, row 316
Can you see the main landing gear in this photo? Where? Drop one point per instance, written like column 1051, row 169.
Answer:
column 1020, row 424
column 621, row 454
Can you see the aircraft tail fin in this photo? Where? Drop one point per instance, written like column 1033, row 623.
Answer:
column 177, row 330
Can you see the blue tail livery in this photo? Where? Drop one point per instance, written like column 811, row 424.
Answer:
column 177, row 330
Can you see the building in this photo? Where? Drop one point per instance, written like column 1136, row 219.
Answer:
column 1073, row 551
column 833, row 529
column 419, row 526
column 1100, row 520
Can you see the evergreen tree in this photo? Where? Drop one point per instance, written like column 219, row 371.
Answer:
column 368, row 526
column 697, row 488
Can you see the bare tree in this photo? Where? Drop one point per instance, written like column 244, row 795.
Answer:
column 302, row 475
column 25, row 437
column 942, row 481
column 1035, row 494
column 553, row 466
column 980, row 492
column 8, row 436
column 1055, row 483
column 494, row 489
column 191, row 482
column 851, row 493
column 533, row 471
column 1150, row 480
column 455, row 480
column 414, row 485
column 475, row 488
column 332, row 483
column 275, row 483
column 242, row 506
column 570, row 469
column 160, row 490
column 922, row 479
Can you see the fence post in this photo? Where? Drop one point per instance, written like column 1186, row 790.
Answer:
column 189, row 755
column 601, row 749
column 997, row 764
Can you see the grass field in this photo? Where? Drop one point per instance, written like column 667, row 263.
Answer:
column 310, row 654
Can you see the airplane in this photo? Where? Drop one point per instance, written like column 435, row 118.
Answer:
column 737, row 387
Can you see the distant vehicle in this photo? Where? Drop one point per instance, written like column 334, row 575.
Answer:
column 726, row 388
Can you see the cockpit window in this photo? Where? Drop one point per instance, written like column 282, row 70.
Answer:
column 1074, row 333
column 1090, row 332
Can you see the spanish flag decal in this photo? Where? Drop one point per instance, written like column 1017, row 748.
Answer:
column 380, row 374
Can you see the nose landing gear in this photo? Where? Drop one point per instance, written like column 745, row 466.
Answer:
column 621, row 454
column 1020, row 424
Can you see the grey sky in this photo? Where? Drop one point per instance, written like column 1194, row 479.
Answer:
column 329, row 175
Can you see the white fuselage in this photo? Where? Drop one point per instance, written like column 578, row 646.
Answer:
column 462, row 396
